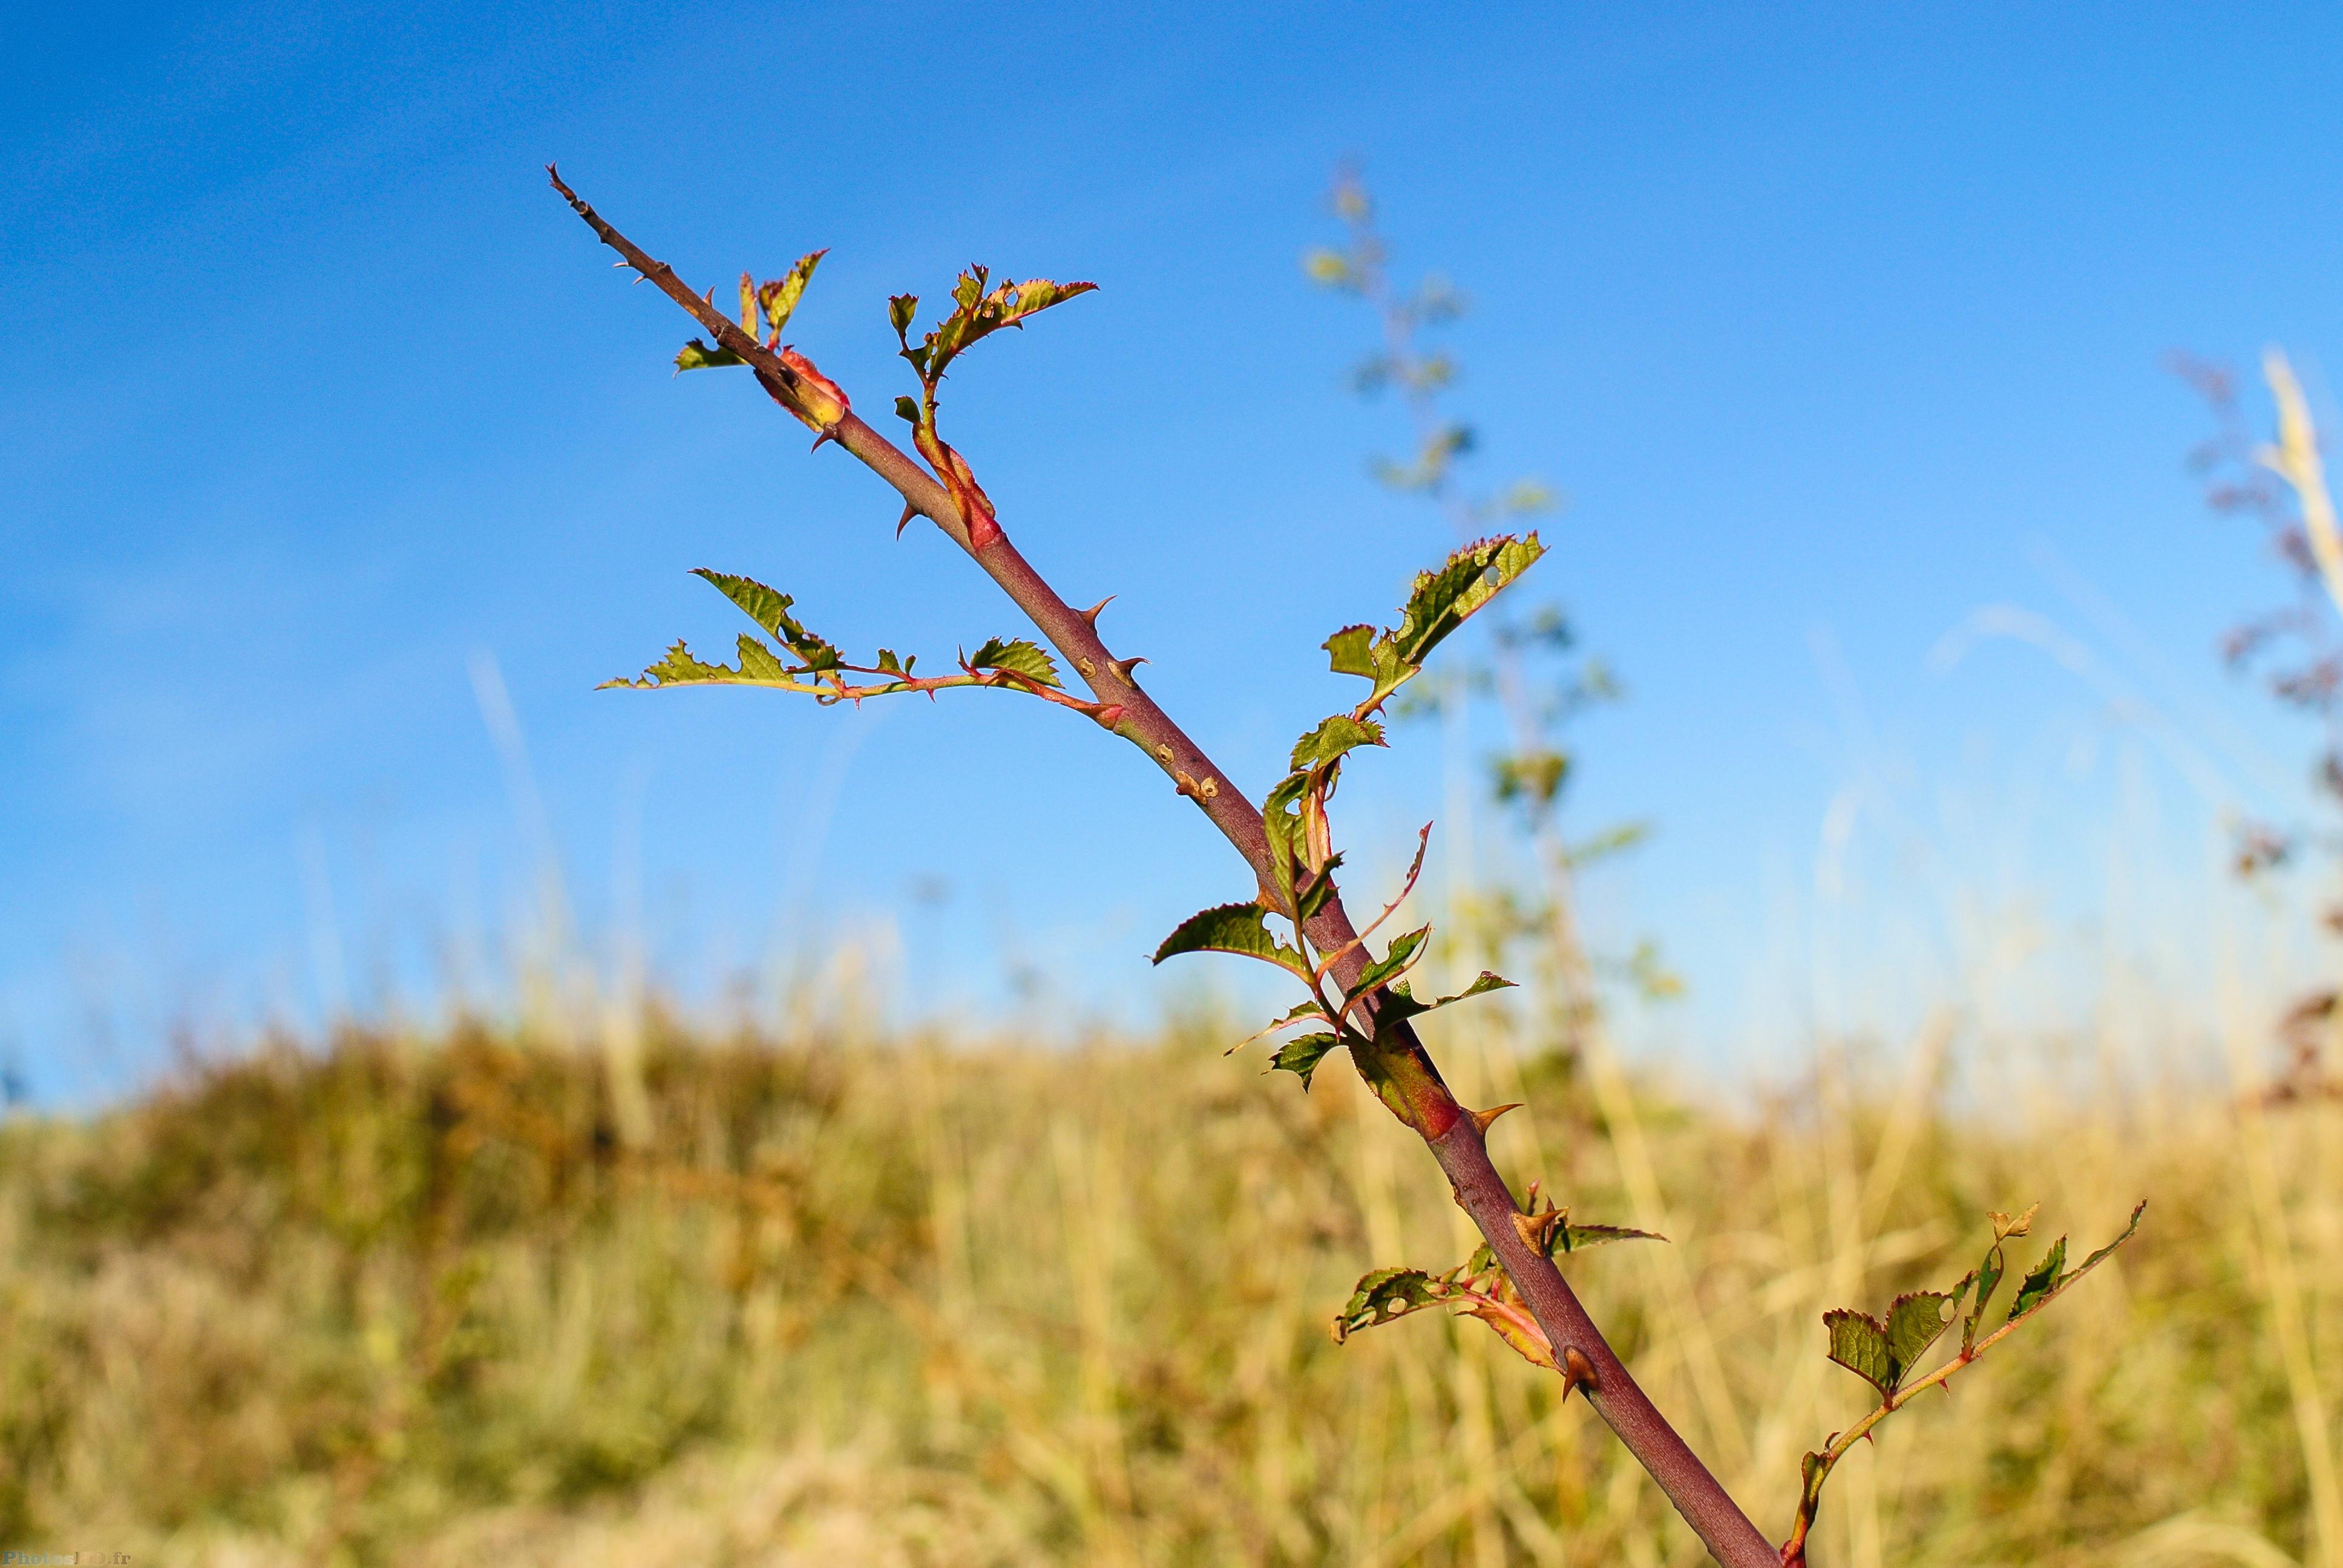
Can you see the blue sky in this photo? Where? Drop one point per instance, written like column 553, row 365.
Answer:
column 1835, row 326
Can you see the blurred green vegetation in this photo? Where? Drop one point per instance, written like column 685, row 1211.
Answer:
column 916, row 1300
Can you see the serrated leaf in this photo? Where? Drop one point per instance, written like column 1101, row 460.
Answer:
column 1882, row 1354
column 1230, row 928
column 901, row 310
column 770, row 608
column 1384, row 1295
column 2039, row 1281
column 1444, row 597
column 1914, row 1321
column 1858, row 1342
column 1349, row 651
column 778, row 300
column 1019, row 657
column 1301, row 1054
column 1301, row 1009
column 697, row 355
column 977, row 311
column 890, row 665
column 1400, row 953
column 1334, row 737
column 757, row 662
column 1399, row 1004
column 681, row 668
column 1573, row 1238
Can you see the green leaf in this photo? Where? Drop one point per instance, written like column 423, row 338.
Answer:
column 1573, row 1238
column 1281, row 822
column 1858, row 1342
column 2040, row 1281
column 1468, row 580
column 770, row 608
column 1301, row 1009
column 1301, row 1054
column 1019, row 657
column 1351, row 651
column 697, row 355
column 757, row 662
column 1400, row 953
column 680, row 668
column 901, row 310
column 1386, row 1294
column 1320, row 889
column 1399, row 1004
column 888, row 664
column 1230, row 928
column 778, row 300
column 1363, row 651
column 1914, row 1321
column 978, row 312
column 906, row 410
column 1333, row 739
column 1883, row 1354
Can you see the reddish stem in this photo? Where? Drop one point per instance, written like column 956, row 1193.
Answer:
column 1394, row 1064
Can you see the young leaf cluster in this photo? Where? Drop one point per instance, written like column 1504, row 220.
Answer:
column 765, row 311
column 1884, row 1351
column 1299, row 836
column 977, row 311
column 1479, row 1287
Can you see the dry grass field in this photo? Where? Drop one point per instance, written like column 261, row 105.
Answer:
column 911, row 1301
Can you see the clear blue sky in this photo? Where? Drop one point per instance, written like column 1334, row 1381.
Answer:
column 1835, row 325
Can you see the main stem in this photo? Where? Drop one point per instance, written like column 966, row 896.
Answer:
column 1395, row 1065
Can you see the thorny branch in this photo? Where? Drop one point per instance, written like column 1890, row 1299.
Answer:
column 1390, row 1058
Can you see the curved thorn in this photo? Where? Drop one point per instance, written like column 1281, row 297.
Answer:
column 1090, row 616
column 1577, row 1372
column 1483, row 1118
column 910, row 510
column 1123, row 667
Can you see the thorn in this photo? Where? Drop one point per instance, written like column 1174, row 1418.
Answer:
column 826, row 432
column 1091, row 615
column 1577, row 1372
column 910, row 511
column 1483, row 1118
column 1123, row 667
column 1110, row 716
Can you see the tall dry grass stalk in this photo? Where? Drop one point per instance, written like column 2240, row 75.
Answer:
column 921, row 1301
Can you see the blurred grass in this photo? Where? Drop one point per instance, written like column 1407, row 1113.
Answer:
column 908, row 1302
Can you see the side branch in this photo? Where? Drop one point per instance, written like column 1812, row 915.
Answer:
column 1393, row 1062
